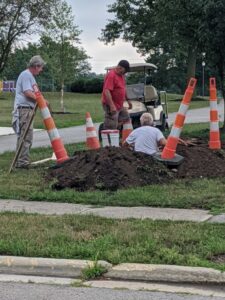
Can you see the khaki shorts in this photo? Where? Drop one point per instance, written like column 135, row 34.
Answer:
column 115, row 120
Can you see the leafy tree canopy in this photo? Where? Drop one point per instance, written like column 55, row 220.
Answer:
column 19, row 18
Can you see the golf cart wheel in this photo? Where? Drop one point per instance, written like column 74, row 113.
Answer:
column 163, row 125
column 101, row 127
column 136, row 122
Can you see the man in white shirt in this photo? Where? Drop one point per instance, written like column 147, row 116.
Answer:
column 25, row 100
column 146, row 138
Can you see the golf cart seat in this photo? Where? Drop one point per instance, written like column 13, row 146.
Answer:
column 151, row 94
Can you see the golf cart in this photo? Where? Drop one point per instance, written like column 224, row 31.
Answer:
column 144, row 97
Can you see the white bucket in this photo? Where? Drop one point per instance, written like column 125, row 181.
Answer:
column 110, row 137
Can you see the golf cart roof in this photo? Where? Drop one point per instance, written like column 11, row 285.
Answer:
column 138, row 67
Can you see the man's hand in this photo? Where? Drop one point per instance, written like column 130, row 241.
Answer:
column 129, row 104
column 112, row 109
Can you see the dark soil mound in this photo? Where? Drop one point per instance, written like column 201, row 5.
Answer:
column 201, row 162
column 109, row 168
column 112, row 168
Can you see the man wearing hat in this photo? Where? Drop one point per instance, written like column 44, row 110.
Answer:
column 25, row 100
column 114, row 95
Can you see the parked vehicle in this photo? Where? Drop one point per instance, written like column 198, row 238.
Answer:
column 145, row 97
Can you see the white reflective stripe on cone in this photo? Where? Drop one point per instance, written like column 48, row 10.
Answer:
column 214, row 126
column 213, row 105
column 175, row 132
column 183, row 109
column 45, row 113
column 90, row 134
column 89, row 122
column 53, row 134
column 127, row 126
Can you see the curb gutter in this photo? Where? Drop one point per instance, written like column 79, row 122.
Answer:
column 72, row 268
column 165, row 273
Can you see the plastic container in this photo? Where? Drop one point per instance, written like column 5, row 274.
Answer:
column 110, row 137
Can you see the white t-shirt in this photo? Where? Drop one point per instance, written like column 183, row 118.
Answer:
column 24, row 83
column 145, row 139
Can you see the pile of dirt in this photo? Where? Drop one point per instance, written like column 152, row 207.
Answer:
column 109, row 168
column 112, row 168
column 201, row 162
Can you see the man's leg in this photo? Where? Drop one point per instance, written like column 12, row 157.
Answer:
column 25, row 115
column 111, row 121
column 123, row 116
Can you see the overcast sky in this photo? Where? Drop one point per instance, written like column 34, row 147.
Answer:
column 91, row 16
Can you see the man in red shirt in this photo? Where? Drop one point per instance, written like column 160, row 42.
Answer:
column 114, row 95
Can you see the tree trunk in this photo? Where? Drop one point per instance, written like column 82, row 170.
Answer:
column 192, row 56
column 223, row 94
column 62, row 98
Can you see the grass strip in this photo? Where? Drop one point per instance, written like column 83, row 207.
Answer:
column 116, row 241
column 31, row 185
column 76, row 105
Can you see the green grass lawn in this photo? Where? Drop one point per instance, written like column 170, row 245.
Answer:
column 174, row 101
column 95, row 238
column 76, row 106
column 32, row 185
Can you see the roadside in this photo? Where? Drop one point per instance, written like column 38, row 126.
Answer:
column 176, row 237
column 77, row 134
column 115, row 240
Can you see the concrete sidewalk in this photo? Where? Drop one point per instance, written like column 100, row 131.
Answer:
column 76, row 134
column 9, row 131
column 153, row 213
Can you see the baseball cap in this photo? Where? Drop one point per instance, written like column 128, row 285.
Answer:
column 125, row 64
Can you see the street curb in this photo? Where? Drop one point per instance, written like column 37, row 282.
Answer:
column 165, row 273
column 72, row 268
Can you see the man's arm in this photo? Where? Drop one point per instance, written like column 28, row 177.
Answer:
column 162, row 142
column 110, row 102
column 32, row 97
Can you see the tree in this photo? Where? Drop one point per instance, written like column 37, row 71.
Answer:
column 74, row 60
column 48, row 49
column 18, row 18
column 214, row 40
column 171, row 28
column 60, row 37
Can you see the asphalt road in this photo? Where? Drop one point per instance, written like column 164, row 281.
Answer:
column 19, row 291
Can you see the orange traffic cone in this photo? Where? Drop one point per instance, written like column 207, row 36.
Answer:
column 92, row 141
column 169, row 150
column 127, row 129
column 57, row 144
column 214, row 138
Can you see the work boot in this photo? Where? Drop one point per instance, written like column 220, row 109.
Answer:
column 24, row 166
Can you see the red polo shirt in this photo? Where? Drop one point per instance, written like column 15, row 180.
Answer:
column 116, row 84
